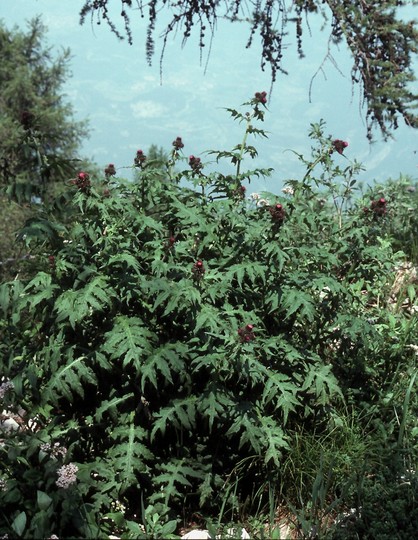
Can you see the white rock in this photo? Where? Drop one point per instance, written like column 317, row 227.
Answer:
column 203, row 534
column 9, row 425
column 197, row 534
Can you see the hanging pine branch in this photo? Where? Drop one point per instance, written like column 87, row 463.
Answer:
column 381, row 43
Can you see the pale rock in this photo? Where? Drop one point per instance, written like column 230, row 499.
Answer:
column 203, row 534
column 9, row 425
column 197, row 534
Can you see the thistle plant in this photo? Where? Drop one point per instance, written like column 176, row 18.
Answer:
column 180, row 332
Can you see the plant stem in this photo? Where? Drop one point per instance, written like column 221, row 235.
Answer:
column 243, row 145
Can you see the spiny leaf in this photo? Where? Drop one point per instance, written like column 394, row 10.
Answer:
column 165, row 360
column 129, row 454
column 181, row 414
column 321, row 383
column 252, row 270
column 281, row 392
column 125, row 260
column 214, row 403
column 297, row 301
column 38, row 289
column 176, row 472
column 274, row 440
column 111, row 405
column 76, row 305
column 69, row 380
column 129, row 341
column 9, row 295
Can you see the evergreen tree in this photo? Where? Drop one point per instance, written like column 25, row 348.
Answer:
column 158, row 156
column 39, row 138
column 382, row 45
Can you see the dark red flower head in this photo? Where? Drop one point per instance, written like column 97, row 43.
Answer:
column 246, row 333
column 378, row 207
column 239, row 193
column 178, row 143
column 139, row 158
column 339, row 145
column 82, row 181
column 261, row 97
column 110, row 170
column 170, row 243
column 198, row 269
column 195, row 163
column 277, row 213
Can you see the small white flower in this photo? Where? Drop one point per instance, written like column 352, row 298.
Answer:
column 323, row 293
column 5, row 387
column 117, row 506
column 54, row 450
column 263, row 202
column 414, row 348
column 288, row 190
column 67, row 475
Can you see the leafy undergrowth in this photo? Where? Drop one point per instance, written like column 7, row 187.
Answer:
column 183, row 353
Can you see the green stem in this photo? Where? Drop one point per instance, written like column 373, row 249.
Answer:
column 143, row 191
column 405, row 410
column 243, row 145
